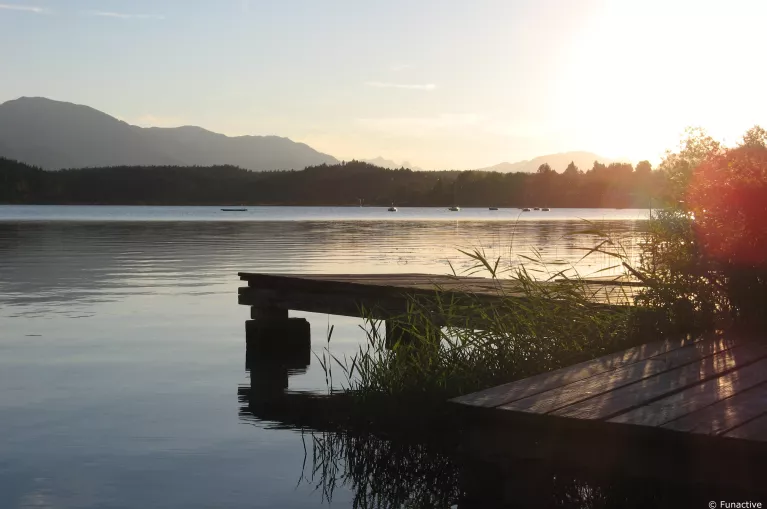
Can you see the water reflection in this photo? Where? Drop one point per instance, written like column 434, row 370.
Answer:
column 413, row 464
column 386, row 474
column 270, row 371
column 44, row 265
column 121, row 344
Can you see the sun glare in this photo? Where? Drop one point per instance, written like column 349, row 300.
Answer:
column 636, row 76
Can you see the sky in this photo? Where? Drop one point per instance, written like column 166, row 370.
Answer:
column 441, row 84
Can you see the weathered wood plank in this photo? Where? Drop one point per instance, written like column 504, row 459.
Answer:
column 343, row 305
column 696, row 397
column 755, row 429
column 424, row 283
column 648, row 389
column 575, row 392
column 517, row 390
column 725, row 415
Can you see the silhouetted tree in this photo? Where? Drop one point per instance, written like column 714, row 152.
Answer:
column 345, row 183
column 544, row 169
column 572, row 170
column 643, row 168
column 755, row 137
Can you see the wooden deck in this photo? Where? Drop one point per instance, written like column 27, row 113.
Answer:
column 385, row 296
column 696, row 394
column 687, row 408
column 715, row 386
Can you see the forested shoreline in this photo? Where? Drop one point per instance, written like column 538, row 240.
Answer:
column 618, row 185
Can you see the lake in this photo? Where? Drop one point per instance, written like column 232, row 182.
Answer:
column 122, row 346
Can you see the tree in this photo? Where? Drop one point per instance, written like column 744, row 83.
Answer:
column 678, row 166
column 728, row 197
column 597, row 168
column 643, row 168
column 621, row 169
column 754, row 137
column 572, row 170
column 545, row 169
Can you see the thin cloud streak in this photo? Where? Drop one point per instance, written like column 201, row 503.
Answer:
column 24, row 8
column 403, row 86
column 122, row 15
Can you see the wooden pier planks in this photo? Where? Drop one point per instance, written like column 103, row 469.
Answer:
column 715, row 386
column 507, row 393
column 387, row 295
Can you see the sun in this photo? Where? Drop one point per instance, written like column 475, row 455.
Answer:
column 637, row 74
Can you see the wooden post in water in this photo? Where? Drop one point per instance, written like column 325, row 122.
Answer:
column 271, row 330
column 397, row 331
column 275, row 344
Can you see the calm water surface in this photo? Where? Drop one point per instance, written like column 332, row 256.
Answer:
column 122, row 345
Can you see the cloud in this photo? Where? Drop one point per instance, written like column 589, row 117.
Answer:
column 404, row 86
column 122, row 15
column 25, row 8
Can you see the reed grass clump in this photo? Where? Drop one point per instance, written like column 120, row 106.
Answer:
column 452, row 343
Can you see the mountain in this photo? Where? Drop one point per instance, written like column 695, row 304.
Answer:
column 391, row 165
column 195, row 145
column 558, row 162
column 54, row 135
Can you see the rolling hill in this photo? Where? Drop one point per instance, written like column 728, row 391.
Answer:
column 558, row 162
column 55, row 135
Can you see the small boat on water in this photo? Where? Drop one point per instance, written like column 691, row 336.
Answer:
column 545, row 209
column 454, row 208
column 493, row 208
column 392, row 209
column 525, row 210
column 234, row 210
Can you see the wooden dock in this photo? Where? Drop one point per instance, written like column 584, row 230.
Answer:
column 693, row 408
column 387, row 295
column 684, row 406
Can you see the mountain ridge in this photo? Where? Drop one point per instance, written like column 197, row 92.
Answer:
column 56, row 134
column 558, row 162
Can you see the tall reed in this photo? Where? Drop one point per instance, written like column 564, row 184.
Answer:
column 454, row 344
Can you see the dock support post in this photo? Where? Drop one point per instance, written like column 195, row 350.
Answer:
column 396, row 332
column 268, row 313
column 272, row 331
column 276, row 345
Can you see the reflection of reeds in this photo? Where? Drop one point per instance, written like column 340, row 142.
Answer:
column 386, row 474
column 382, row 473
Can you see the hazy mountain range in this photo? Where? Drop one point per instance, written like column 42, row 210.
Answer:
column 392, row 165
column 558, row 162
column 55, row 135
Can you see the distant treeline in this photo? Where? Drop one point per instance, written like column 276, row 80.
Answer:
column 616, row 185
